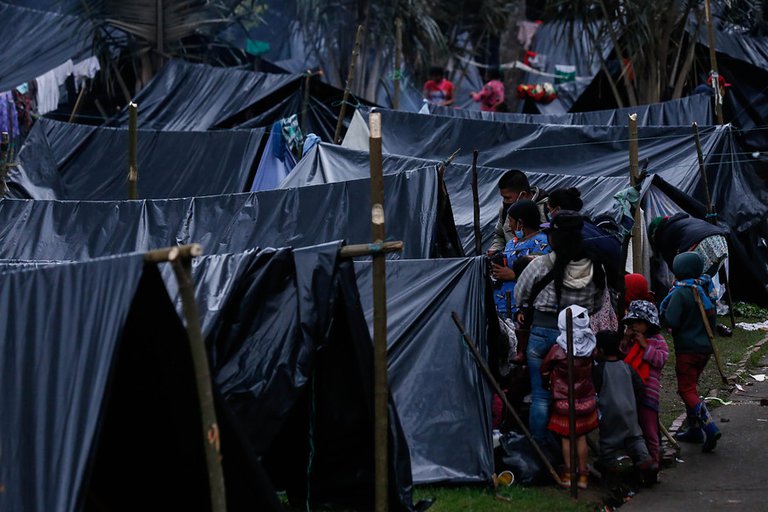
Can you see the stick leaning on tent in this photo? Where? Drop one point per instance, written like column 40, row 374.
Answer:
column 495, row 385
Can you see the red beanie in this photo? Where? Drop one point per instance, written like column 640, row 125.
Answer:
column 636, row 288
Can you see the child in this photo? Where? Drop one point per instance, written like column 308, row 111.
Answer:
column 617, row 384
column 682, row 312
column 554, row 373
column 648, row 354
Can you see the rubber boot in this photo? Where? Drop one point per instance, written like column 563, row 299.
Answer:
column 711, row 432
column 694, row 433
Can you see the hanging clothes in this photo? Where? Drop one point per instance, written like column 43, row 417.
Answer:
column 85, row 70
column 525, row 32
column 48, row 87
column 9, row 119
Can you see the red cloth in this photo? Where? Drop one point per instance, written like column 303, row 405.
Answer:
column 438, row 93
column 635, row 360
column 636, row 288
column 491, row 95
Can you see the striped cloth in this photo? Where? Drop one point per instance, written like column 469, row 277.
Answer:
column 656, row 355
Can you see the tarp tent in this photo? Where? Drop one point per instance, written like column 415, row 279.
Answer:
column 84, row 376
column 443, row 399
column 739, row 196
column 186, row 96
column 71, row 161
column 327, row 163
column 678, row 112
column 75, row 230
column 103, row 368
column 36, row 42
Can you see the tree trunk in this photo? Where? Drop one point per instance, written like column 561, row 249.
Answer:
column 511, row 51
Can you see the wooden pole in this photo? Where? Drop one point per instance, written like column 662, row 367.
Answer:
column 78, row 104
column 713, row 62
column 305, row 101
column 348, row 87
column 133, row 137
column 159, row 34
column 634, row 172
column 497, row 389
column 5, row 161
column 354, row 251
column 710, row 334
column 703, row 173
column 181, row 261
column 398, row 63
column 669, row 436
column 476, row 206
column 380, row 386
column 169, row 253
column 571, row 403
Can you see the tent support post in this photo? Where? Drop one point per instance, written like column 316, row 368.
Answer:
column 181, row 261
column 380, row 385
column 348, row 86
column 5, row 161
column 571, row 404
column 78, row 104
column 634, row 172
column 476, row 206
column 497, row 389
column 398, row 63
column 712, row 218
column 133, row 166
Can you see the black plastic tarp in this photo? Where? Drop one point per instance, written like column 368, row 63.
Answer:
column 75, row 230
column 326, row 163
column 70, row 161
column 443, row 399
column 739, row 196
column 35, row 42
column 290, row 353
column 683, row 111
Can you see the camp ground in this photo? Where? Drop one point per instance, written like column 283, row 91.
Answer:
column 244, row 257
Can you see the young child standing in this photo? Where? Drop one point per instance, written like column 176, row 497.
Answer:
column 681, row 310
column 554, row 373
column 617, row 385
column 648, row 353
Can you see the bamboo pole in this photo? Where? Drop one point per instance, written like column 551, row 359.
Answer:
column 710, row 335
column 133, row 166
column 669, row 436
column 380, row 386
column 398, row 63
column 78, row 104
column 305, row 101
column 348, row 86
column 634, row 172
column 476, row 206
column 497, row 389
column 712, row 218
column 180, row 258
column 5, row 162
column 713, row 62
column 571, row 403
column 354, row 251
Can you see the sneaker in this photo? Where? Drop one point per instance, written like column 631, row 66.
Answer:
column 565, row 478
column 692, row 435
column 583, row 481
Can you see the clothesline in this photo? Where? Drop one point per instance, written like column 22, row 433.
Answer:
column 519, row 65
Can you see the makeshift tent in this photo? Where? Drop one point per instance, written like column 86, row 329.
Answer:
column 35, row 42
column 88, row 353
column 327, row 163
column 74, row 230
column 92, row 353
column 70, row 161
column 739, row 196
column 684, row 111
column 443, row 399
column 185, row 96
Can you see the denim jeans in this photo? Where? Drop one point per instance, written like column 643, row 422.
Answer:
column 539, row 343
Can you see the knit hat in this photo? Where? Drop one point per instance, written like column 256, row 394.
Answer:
column 636, row 288
column 687, row 265
column 525, row 211
column 645, row 311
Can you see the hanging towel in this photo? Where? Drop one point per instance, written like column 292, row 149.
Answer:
column 48, row 87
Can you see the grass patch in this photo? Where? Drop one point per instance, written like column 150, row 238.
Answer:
column 731, row 349
column 520, row 499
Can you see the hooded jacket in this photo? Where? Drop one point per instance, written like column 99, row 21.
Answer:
column 682, row 313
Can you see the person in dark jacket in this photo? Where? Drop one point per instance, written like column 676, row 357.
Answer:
column 680, row 233
column 681, row 310
column 554, row 373
column 513, row 186
column 618, row 386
